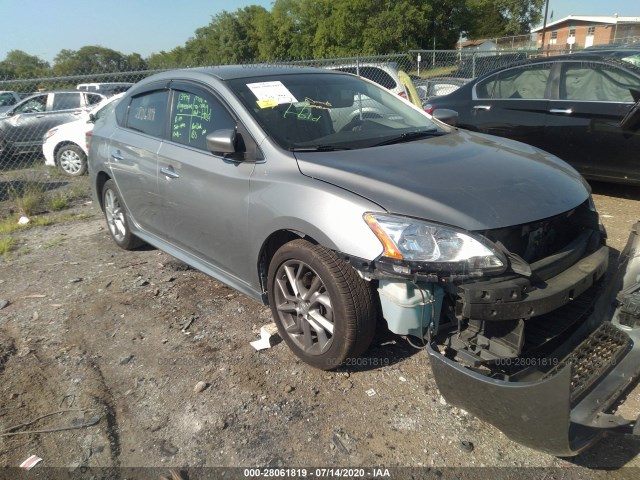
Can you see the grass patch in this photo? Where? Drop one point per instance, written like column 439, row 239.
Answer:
column 58, row 202
column 79, row 189
column 30, row 202
column 9, row 230
column 28, row 193
column 6, row 245
column 10, row 224
column 54, row 242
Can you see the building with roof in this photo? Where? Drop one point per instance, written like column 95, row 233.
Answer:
column 582, row 31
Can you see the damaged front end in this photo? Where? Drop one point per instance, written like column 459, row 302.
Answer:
column 534, row 344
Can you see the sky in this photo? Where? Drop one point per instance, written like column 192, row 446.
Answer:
column 564, row 8
column 44, row 27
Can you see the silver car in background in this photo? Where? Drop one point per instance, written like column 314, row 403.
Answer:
column 486, row 251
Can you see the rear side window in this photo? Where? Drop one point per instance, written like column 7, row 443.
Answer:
column 66, row 101
column 195, row 115
column 528, row 82
column 596, row 82
column 148, row 113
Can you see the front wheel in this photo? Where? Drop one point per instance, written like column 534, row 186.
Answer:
column 323, row 309
column 116, row 217
column 72, row 160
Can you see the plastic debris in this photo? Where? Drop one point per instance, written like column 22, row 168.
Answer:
column 371, row 392
column 23, row 220
column 30, row 462
column 266, row 332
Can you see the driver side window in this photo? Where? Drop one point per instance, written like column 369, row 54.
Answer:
column 33, row 105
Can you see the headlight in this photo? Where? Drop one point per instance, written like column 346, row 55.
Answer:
column 416, row 241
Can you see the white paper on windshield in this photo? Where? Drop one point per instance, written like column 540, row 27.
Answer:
column 270, row 94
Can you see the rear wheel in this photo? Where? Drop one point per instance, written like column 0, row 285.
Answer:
column 72, row 160
column 116, row 217
column 323, row 309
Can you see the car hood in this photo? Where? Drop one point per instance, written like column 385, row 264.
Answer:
column 468, row 180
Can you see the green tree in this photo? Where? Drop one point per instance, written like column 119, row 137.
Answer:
column 18, row 64
column 95, row 59
column 500, row 18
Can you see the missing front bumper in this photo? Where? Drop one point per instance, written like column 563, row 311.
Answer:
column 564, row 410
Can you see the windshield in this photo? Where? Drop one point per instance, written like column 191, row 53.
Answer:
column 320, row 111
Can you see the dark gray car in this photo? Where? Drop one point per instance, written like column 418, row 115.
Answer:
column 486, row 251
column 23, row 126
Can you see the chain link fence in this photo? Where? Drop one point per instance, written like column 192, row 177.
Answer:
column 39, row 158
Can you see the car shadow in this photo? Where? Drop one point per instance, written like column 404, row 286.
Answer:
column 386, row 349
column 12, row 189
column 611, row 453
column 629, row 192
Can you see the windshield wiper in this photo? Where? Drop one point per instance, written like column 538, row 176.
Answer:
column 320, row 148
column 407, row 136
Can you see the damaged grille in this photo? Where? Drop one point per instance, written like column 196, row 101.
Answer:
column 630, row 310
column 593, row 358
column 537, row 240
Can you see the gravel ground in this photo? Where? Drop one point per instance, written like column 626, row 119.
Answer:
column 158, row 355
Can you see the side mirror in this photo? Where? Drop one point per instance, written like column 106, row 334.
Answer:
column 222, row 141
column 92, row 118
column 447, row 116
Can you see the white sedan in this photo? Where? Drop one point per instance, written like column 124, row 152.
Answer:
column 65, row 145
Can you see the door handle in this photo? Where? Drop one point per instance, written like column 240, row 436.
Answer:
column 169, row 172
column 564, row 111
column 482, row 107
column 117, row 156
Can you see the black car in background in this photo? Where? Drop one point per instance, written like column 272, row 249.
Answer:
column 570, row 105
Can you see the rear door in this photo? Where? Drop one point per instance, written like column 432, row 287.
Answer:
column 133, row 154
column 589, row 101
column 205, row 196
column 63, row 107
column 513, row 103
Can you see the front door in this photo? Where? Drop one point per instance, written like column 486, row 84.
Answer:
column 206, row 197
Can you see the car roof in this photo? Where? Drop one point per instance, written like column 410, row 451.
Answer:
column 232, row 72
column 65, row 91
column 559, row 58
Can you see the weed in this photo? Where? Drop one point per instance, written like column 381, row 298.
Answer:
column 6, row 244
column 54, row 242
column 79, row 190
column 28, row 194
column 58, row 202
column 30, row 203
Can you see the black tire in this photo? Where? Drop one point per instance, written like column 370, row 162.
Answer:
column 329, row 316
column 115, row 214
column 71, row 160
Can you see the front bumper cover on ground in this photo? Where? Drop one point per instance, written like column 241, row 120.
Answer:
column 548, row 413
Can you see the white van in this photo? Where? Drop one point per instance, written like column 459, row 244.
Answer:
column 107, row 89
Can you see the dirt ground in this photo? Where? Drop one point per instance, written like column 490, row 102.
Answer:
column 112, row 344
